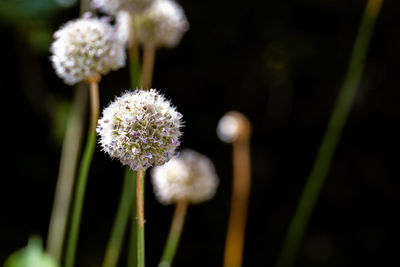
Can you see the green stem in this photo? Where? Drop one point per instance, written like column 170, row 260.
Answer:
column 79, row 197
column 68, row 162
column 337, row 121
column 132, row 256
column 83, row 173
column 174, row 234
column 134, row 63
column 117, row 234
column 140, row 218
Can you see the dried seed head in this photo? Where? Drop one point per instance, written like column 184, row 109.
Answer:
column 190, row 176
column 163, row 24
column 113, row 6
column 85, row 48
column 140, row 128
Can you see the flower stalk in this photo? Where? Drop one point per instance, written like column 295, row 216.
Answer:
column 174, row 233
column 149, row 52
column 83, row 172
column 140, row 218
column 235, row 128
column 329, row 143
column 68, row 163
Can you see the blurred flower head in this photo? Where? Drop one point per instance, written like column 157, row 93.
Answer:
column 85, row 48
column 233, row 126
column 140, row 128
column 113, row 6
column 163, row 24
column 190, row 176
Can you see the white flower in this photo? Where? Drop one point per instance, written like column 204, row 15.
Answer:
column 85, row 48
column 190, row 176
column 233, row 126
column 140, row 128
column 113, row 6
column 163, row 24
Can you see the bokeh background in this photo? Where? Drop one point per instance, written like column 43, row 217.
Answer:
column 281, row 63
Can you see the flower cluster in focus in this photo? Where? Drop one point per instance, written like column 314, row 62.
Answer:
column 85, row 48
column 140, row 128
column 190, row 176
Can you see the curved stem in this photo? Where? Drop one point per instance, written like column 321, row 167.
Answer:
column 117, row 234
column 174, row 233
column 69, row 158
column 149, row 52
column 140, row 218
column 337, row 121
column 240, row 196
column 83, row 174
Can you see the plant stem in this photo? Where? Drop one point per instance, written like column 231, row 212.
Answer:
column 83, row 173
column 69, row 158
column 117, row 234
column 149, row 52
column 134, row 62
column 140, row 218
column 174, row 233
column 240, row 196
column 326, row 151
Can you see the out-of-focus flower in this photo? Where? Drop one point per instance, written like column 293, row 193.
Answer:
column 163, row 24
column 190, row 176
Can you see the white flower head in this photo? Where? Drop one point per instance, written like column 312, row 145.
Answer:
column 190, row 176
column 113, row 6
column 140, row 128
column 163, row 24
column 233, row 126
column 85, row 48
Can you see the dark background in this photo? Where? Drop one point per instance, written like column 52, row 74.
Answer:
column 281, row 63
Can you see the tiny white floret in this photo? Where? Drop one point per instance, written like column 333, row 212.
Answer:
column 189, row 176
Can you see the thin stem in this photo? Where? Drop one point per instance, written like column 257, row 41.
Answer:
column 327, row 149
column 174, row 233
column 140, row 218
column 68, row 162
column 132, row 255
column 117, row 234
column 240, row 196
column 83, row 174
column 149, row 52
column 134, row 62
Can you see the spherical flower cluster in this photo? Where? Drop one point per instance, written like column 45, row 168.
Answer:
column 113, row 6
column 85, row 48
column 163, row 24
column 190, row 176
column 140, row 128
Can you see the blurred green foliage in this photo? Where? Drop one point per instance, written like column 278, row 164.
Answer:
column 31, row 256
